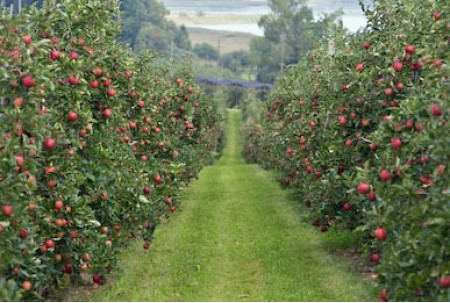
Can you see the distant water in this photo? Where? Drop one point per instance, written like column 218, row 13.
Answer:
column 353, row 18
column 249, row 28
column 218, row 6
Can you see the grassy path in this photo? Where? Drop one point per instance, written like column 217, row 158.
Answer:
column 238, row 237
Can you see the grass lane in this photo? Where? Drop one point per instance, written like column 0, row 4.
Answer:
column 238, row 237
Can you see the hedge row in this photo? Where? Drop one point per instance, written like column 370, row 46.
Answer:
column 363, row 137
column 96, row 143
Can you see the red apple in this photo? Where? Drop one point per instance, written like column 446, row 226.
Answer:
column 97, row 71
column 19, row 160
column 373, row 146
column 359, row 67
column 158, row 179
column 168, row 200
column 380, row 233
column 72, row 116
column 418, row 127
column 107, row 113
column 372, row 197
column 385, row 175
column 59, row 204
column 424, row 159
column 342, row 120
column 426, row 180
column 416, row 66
column 435, row 110
column 23, row 233
column 146, row 245
column 410, row 49
column 180, row 82
column 94, row 84
column 18, row 102
column 347, row 207
column 440, row 169
column 49, row 143
column 388, row 91
column 54, row 55
column 363, row 188
column 51, row 184
column 82, row 133
column 104, row 195
column 107, row 83
column 141, row 103
column 28, row 81
column 27, row 285
column 73, row 80
column 27, row 39
column 73, row 55
column 396, row 143
column 67, row 269
column 111, row 92
column 49, row 244
column 398, row 66
column 409, row 124
column 146, row 190
column 375, row 257
column 444, row 282
column 366, row 45
column 437, row 15
column 383, row 295
column 97, row 278
column 132, row 125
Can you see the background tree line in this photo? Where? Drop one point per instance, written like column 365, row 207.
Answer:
column 290, row 31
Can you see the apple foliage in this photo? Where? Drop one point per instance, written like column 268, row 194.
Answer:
column 362, row 136
column 95, row 144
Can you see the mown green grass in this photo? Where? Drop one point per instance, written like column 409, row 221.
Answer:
column 238, row 237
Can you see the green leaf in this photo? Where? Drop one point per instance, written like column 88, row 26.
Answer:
column 143, row 199
column 95, row 222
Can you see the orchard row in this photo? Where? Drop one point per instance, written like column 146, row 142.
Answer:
column 95, row 144
column 363, row 136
